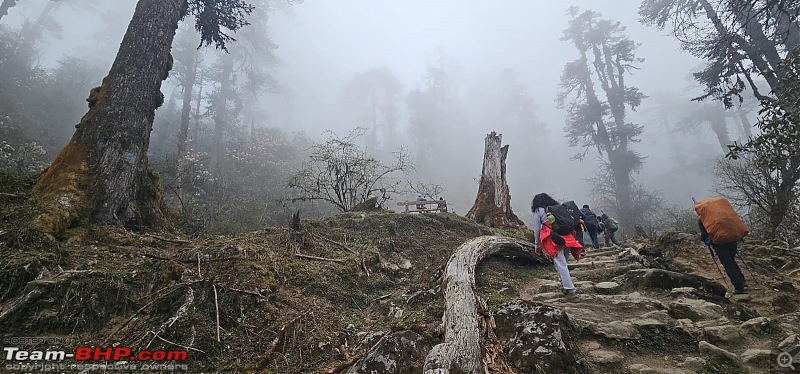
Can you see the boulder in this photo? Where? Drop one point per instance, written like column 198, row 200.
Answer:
column 602, row 356
column 722, row 334
column 693, row 363
column 607, row 288
column 688, row 327
column 667, row 280
column 647, row 323
column 659, row 315
column 756, row 325
column 537, row 338
column 790, row 344
column 615, row 330
column 758, row 357
column 713, row 350
column 399, row 352
column 695, row 309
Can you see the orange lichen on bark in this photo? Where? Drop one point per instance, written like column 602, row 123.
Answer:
column 60, row 194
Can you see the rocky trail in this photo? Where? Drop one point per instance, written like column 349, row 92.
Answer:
column 640, row 314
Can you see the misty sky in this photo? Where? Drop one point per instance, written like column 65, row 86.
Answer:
column 324, row 42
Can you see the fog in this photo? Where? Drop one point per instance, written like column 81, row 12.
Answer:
column 323, row 44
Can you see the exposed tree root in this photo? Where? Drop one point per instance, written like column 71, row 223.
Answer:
column 461, row 350
column 34, row 290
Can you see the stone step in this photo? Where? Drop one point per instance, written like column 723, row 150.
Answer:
column 601, row 252
column 590, row 264
column 604, row 273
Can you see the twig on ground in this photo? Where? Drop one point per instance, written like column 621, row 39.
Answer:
column 176, row 344
column 345, row 247
column 216, row 308
column 339, row 260
column 254, row 293
column 379, row 298
column 198, row 265
column 357, row 357
column 364, row 267
column 177, row 241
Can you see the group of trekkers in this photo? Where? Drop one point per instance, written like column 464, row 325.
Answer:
column 558, row 231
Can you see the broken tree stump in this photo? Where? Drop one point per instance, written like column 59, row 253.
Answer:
column 493, row 204
column 461, row 350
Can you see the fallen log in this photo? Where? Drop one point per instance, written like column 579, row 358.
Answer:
column 461, row 350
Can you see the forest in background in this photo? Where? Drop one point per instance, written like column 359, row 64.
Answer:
column 230, row 158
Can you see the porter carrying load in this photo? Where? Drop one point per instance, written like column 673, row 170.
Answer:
column 720, row 220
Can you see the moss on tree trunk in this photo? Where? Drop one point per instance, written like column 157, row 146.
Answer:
column 103, row 175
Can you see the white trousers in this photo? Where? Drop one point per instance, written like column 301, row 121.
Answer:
column 560, row 262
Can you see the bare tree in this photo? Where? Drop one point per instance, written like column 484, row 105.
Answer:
column 341, row 172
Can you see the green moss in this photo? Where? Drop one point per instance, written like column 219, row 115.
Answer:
column 715, row 365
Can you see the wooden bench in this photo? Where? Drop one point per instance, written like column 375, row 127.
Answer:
column 424, row 203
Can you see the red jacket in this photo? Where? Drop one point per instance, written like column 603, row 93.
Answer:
column 551, row 248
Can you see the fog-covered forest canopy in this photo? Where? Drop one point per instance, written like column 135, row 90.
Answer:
column 228, row 116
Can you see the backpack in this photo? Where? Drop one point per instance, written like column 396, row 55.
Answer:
column 562, row 221
column 591, row 218
column 720, row 220
column 574, row 211
column 611, row 224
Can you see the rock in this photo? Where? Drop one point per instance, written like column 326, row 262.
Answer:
column 537, row 338
column 756, row 325
column 615, row 330
column 644, row 369
column 549, row 287
column 683, row 291
column 647, row 323
column 722, row 321
column 605, row 357
column 607, row 288
column 759, row 357
column 399, row 352
column 694, row 309
column 713, row 350
column 667, row 280
column 368, row 341
column 659, row 315
column 790, row 344
column 722, row 334
column 688, row 327
column 693, row 363
column 790, row 322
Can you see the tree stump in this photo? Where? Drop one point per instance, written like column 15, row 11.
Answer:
column 493, row 204
column 461, row 350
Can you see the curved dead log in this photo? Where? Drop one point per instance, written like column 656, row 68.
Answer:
column 461, row 350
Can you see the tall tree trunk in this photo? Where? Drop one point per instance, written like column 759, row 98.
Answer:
column 103, row 175
column 493, row 204
column 221, row 117
column 621, row 174
column 5, row 5
column 183, row 133
column 747, row 128
column 720, row 128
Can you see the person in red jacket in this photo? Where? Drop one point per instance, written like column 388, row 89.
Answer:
column 556, row 246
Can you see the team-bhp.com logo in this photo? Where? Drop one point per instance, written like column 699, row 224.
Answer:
column 94, row 358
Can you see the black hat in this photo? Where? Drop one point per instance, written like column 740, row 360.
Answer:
column 586, row 206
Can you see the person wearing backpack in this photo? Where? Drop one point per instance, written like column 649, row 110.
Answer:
column 578, row 216
column 610, row 227
column 552, row 230
column 721, row 228
column 590, row 222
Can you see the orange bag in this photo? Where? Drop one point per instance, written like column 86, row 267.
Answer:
column 720, row 220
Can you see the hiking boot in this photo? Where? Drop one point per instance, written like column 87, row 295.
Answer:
column 740, row 291
column 570, row 293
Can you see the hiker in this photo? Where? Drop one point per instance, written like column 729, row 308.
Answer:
column 554, row 244
column 726, row 253
column 442, row 205
column 610, row 227
column 577, row 214
column 591, row 224
column 420, row 197
column 721, row 228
